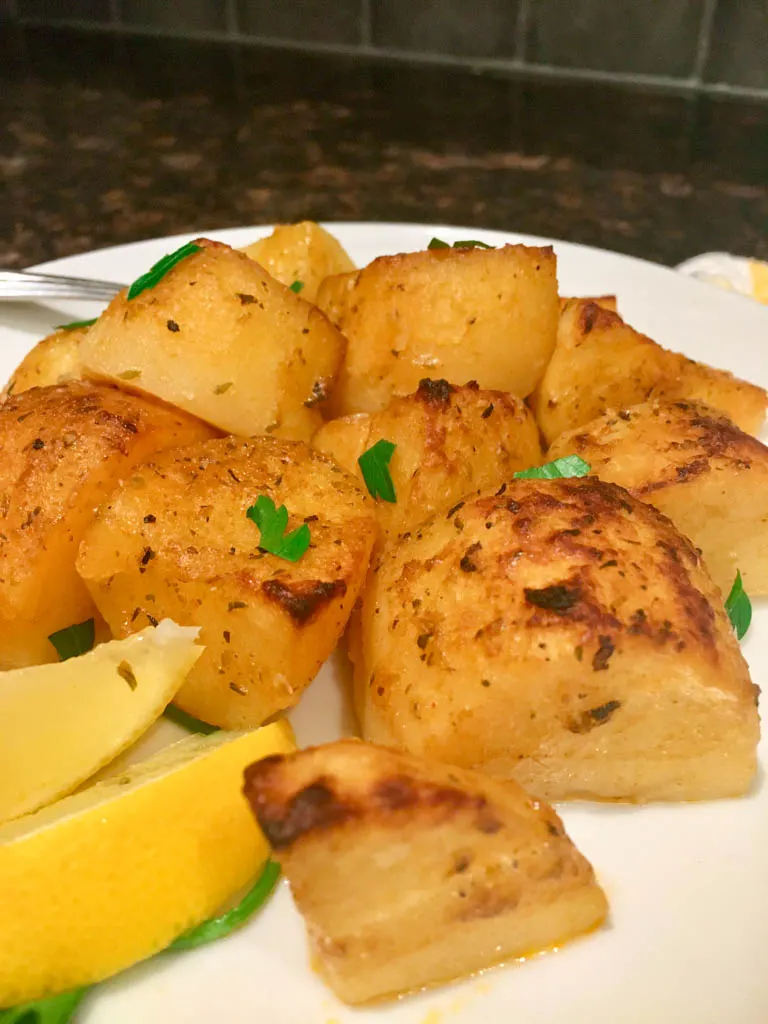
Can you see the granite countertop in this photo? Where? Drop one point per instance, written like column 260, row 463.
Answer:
column 109, row 139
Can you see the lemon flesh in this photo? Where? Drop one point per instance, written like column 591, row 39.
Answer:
column 60, row 723
column 112, row 874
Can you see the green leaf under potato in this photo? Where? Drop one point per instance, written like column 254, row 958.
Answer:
column 74, row 640
column 55, row 1010
column 739, row 607
column 568, row 466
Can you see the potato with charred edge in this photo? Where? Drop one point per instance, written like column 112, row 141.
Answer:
column 176, row 542
column 601, row 363
column 220, row 338
column 451, row 442
column 53, row 360
column 696, row 466
column 489, row 314
column 411, row 873
column 304, row 253
column 564, row 634
column 61, row 449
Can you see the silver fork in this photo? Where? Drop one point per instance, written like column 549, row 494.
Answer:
column 26, row 284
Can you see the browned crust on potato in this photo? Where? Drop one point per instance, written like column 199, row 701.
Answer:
column 435, row 392
column 304, row 600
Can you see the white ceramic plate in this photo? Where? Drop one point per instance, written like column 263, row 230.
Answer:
column 687, row 939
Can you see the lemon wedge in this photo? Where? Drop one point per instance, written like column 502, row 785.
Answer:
column 112, row 874
column 60, row 723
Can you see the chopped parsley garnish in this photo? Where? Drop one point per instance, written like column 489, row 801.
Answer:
column 739, row 607
column 218, row 927
column 54, row 1010
column 70, row 642
column 374, row 465
column 158, row 270
column 272, row 523
column 187, row 722
column 76, row 325
column 296, row 286
column 467, row 243
column 568, row 466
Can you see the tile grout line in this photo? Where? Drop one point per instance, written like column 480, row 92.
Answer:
column 366, row 25
column 511, row 68
column 704, row 41
column 521, row 31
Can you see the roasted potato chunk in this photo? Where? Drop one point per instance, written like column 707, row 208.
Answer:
column 697, row 467
column 303, row 252
column 220, row 338
column 484, row 314
column 604, row 301
column 450, row 442
column 53, row 360
column 61, row 449
column 175, row 542
column 564, row 634
column 410, row 873
column 600, row 363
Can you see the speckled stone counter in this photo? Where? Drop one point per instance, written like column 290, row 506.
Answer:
column 109, row 139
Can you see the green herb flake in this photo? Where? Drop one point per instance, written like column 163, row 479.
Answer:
column 272, row 523
column 125, row 672
column 374, row 465
column 187, row 722
column 54, row 1010
column 219, row 927
column 467, row 243
column 129, row 374
column 76, row 325
column 568, row 466
column 739, row 607
column 73, row 641
column 158, row 270
column 221, row 389
column 296, row 286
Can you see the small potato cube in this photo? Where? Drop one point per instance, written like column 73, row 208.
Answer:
column 176, row 542
column 451, row 442
column 601, row 363
column 303, row 252
column 220, row 338
column 563, row 634
column 697, row 467
column 62, row 449
column 411, row 873
column 53, row 360
column 604, row 301
column 463, row 314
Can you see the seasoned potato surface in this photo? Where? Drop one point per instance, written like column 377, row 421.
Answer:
column 696, row 466
column 600, row 363
column 564, row 634
column 450, row 442
column 303, row 252
column 175, row 542
column 463, row 314
column 410, row 873
column 53, row 360
column 219, row 337
column 62, row 449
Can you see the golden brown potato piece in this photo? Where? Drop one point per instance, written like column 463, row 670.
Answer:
column 462, row 314
column 561, row 633
column 411, row 873
column 175, row 542
column 450, row 442
column 698, row 468
column 220, row 338
column 62, row 449
column 53, row 360
column 303, row 252
column 600, row 363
